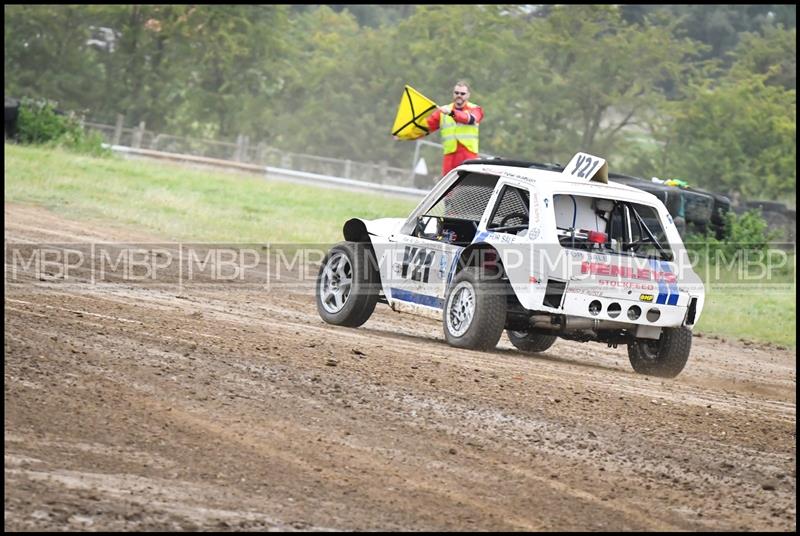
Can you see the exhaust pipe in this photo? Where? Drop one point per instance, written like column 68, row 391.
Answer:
column 575, row 323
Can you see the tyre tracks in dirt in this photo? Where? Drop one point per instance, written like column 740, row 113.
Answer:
column 144, row 407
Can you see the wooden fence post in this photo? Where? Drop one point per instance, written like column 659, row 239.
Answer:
column 138, row 134
column 245, row 149
column 118, row 130
column 237, row 153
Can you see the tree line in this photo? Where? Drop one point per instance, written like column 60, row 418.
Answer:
column 706, row 94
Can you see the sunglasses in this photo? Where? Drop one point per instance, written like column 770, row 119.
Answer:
column 462, row 93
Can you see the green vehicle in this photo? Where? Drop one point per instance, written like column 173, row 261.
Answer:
column 694, row 210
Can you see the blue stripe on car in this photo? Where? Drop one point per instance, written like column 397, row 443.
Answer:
column 413, row 297
column 456, row 256
column 673, row 285
column 480, row 237
column 662, row 287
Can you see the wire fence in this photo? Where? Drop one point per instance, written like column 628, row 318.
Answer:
column 258, row 153
column 243, row 150
column 779, row 217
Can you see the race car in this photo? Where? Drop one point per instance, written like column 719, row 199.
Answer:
column 538, row 250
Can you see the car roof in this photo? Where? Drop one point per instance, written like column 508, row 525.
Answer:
column 551, row 172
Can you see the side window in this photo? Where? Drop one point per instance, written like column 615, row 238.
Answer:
column 512, row 212
column 603, row 225
column 649, row 217
column 466, row 199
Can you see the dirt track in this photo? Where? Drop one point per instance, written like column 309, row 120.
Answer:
column 136, row 407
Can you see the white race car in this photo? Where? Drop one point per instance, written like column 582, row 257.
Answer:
column 537, row 250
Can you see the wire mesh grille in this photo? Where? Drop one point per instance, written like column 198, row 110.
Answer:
column 467, row 199
column 514, row 201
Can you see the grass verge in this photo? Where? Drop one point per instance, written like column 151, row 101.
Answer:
column 181, row 203
column 757, row 315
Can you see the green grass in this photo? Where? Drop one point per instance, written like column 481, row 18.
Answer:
column 749, row 301
column 758, row 315
column 178, row 203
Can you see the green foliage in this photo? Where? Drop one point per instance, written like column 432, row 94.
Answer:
column 749, row 229
column 589, row 76
column 744, row 234
column 81, row 141
column 237, row 69
column 773, row 55
column 719, row 27
column 40, row 123
column 46, row 55
column 698, row 91
column 738, row 137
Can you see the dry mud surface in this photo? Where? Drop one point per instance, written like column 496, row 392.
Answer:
column 234, row 407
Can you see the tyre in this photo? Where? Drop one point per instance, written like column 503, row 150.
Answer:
column 475, row 310
column 664, row 357
column 530, row 342
column 348, row 284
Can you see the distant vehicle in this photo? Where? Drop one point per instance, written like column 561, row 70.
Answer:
column 537, row 250
column 702, row 210
column 11, row 117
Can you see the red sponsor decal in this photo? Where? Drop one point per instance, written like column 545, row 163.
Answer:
column 627, row 272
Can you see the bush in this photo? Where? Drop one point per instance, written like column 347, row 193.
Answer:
column 749, row 229
column 40, row 123
column 745, row 232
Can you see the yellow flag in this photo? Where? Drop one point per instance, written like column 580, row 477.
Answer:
column 414, row 109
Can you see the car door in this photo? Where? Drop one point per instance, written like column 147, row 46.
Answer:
column 420, row 268
column 423, row 256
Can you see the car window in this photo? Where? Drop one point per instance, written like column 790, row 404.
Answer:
column 648, row 221
column 512, row 212
column 466, row 199
column 697, row 206
column 601, row 224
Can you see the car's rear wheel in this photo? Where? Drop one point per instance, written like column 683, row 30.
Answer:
column 475, row 310
column 347, row 285
column 530, row 342
column 665, row 357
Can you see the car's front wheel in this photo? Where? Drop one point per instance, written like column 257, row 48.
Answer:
column 664, row 357
column 347, row 285
column 475, row 310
